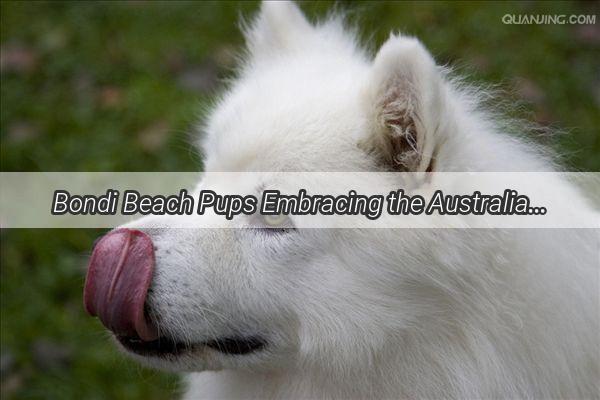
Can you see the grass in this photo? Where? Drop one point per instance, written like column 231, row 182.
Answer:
column 119, row 87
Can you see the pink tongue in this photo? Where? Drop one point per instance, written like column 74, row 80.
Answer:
column 117, row 281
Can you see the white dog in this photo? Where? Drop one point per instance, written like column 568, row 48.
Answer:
column 355, row 314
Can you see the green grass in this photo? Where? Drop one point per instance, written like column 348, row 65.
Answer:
column 119, row 87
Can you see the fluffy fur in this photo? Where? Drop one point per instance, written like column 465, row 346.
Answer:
column 372, row 313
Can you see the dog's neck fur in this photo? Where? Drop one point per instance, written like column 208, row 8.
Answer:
column 463, row 345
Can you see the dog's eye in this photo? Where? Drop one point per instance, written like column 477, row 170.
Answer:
column 276, row 221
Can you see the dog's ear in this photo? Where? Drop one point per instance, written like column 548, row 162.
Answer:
column 404, row 99
column 279, row 25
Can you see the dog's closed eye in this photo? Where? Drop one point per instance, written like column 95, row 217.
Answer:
column 273, row 224
column 276, row 221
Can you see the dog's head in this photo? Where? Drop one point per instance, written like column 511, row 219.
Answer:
column 307, row 98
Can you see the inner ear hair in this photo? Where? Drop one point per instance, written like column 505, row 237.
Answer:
column 399, row 121
column 405, row 100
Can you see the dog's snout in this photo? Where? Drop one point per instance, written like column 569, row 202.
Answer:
column 117, row 282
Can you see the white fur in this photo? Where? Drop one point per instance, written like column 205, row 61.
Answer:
column 358, row 314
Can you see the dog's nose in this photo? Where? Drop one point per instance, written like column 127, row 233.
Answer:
column 118, row 277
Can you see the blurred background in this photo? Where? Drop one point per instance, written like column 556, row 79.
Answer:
column 119, row 86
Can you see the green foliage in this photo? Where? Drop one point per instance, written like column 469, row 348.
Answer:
column 119, row 87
